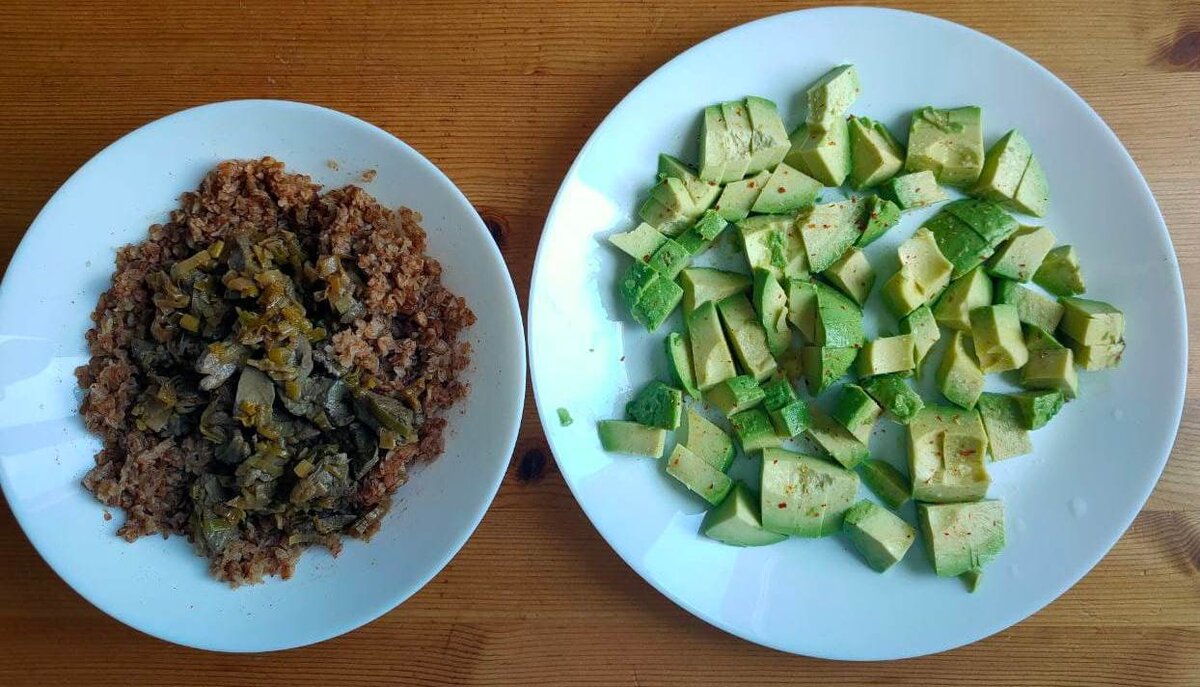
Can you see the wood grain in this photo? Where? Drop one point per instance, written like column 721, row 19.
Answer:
column 501, row 95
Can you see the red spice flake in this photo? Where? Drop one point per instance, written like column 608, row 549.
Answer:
column 967, row 452
column 781, row 189
column 783, row 504
column 751, row 184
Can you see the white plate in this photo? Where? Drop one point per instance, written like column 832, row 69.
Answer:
column 66, row 259
column 1067, row 504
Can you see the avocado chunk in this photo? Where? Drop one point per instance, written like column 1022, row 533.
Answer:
column 1022, row 254
column 899, row 400
column 1032, row 307
column 834, row 439
column 656, row 405
column 787, row 412
column 945, row 455
column 970, row 291
column 857, row 412
column 1038, row 339
column 699, row 477
column 923, row 327
column 704, row 284
column 707, row 441
column 737, row 197
column 958, row 243
column 989, row 220
column 703, row 193
column 639, row 243
column 880, row 536
column 711, row 357
column 999, row 343
column 679, row 355
column 786, row 191
column 853, row 275
column 901, row 294
column 912, row 191
column 961, row 537
column 1003, row 167
column 1038, row 407
column 621, row 436
column 670, row 259
column 824, row 365
column 948, row 143
column 770, row 300
column 1097, row 356
column 1007, row 436
column 769, row 139
column 832, row 95
column 670, row 207
column 739, row 136
column 1060, row 273
column 747, row 335
column 701, row 235
column 1092, row 322
column 650, row 297
column 886, row 482
column 714, row 145
column 959, row 377
column 882, row 214
column 736, row 394
column 886, row 355
column 839, row 322
column 823, row 151
column 1033, row 194
column 772, row 243
column 802, row 308
column 754, row 430
column 972, row 578
column 828, row 231
column 924, row 272
column 875, row 155
column 737, row 521
column 1051, row 368
column 804, row 496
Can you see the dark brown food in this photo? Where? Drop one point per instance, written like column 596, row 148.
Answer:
column 266, row 366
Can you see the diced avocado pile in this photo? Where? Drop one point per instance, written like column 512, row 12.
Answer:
column 994, row 294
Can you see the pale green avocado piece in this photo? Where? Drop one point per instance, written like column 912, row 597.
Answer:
column 1051, row 368
column 946, row 449
column 886, row 355
column 920, row 255
column 970, row 291
column 923, row 327
column 1097, row 356
column 839, row 321
column 702, row 479
column 803, row 495
column 640, row 242
column 1038, row 339
column 1032, row 307
column 825, row 152
column 1033, row 195
column 670, row 207
column 737, row 521
column 703, row 193
column 881, row 215
column 740, row 132
column 714, row 142
column 788, row 413
column 972, row 578
column 834, row 439
column 958, row 243
column 962, row 537
column 989, row 220
column 778, row 392
column 754, row 430
column 650, row 297
column 1007, row 436
column 765, row 242
column 622, row 436
column 704, row 284
column 670, row 259
column 770, row 301
column 656, row 405
column 748, row 336
column 707, row 440
column 875, row 155
column 769, row 139
column 1060, row 273
column 797, row 265
column 1003, row 167
column 701, row 235
column 737, row 197
column 786, row 191
column 853, row 274
column 886, row 482
column 827, row 232
column 893, row 393
column 679, row 355
column 802, row 308
column 1092, row 322
column 673, row 194
column 711, row 357
column 832, row 95
column 1022, row 254
column 958, row 376
column 735, row 394
column 880, row 536
column 857, row 412
column 794, row 158
column 999, row 342
column 824, row 365
column 912, row 191
column 1038, row 407
column 901, row 294
column 948, row 143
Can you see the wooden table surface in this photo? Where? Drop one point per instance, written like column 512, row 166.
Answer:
column 501, row 95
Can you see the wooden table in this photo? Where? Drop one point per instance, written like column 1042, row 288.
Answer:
column 501, row 96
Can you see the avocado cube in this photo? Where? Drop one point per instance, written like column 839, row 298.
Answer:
column 912, row 191
column 948, row 143
column 754, row 430
column 1007, row 436
column 1092, row 322
column 792, row 419
column 803, row 309
column 824, row 365
column 736, row 394
column 714, row 145
column 635, row 281
column 959, row 377
column 825, row 152
column 639, row 243
column 827, row 231
column 699, row 477
column 700, row 236
column 923, row 327
column 886, row 482
column 901, row 293
column 669, row 208
column 704, row 284
column 739, row 133
column 737, row 197
column 770, row 300
column 1038, row 407
column 778, row 392
column 946, row 449
column 670, row 259
column 922, row 258
column 852, row 273
column 857, row 412
column 803, row 495
column 839, row 322
column 1060, row 273
column 765, row 242
column 886, row 355
column 875, row 155
column 830, row 96
column 707, row 441
column 1097, row 356
column 656, row 405
column 834, row 439
column 999, row 343
column 747, row 335
column 961, row 537
column 1022, row 254
column 899, row 400
column 1032, row 307
column 786, row 191
column 972, row 578
column 711, row 357
column 769, row 139
column 621, row 436
column 673, row 194
column 1038, row 339
column 737, row 521
column 679, row 357
column 970, row 291
column 958, row 243
column 1033, row 194
column 651, row 297
column 791, row 365
column 989, row 220
column 1051, row 368
column 880, row 536
column 882, row 215
column 1003, row 167
column 703, row 193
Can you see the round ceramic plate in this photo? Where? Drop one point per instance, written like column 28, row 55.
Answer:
column 160, row 586
column 1067, row 503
